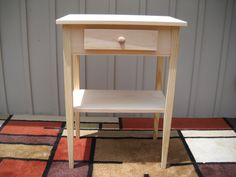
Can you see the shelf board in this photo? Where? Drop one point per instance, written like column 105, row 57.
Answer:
column 117, row 101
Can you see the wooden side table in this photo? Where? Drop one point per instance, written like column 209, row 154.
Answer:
column 119, row 35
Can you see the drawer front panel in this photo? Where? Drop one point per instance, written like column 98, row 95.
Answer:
column 118, row 39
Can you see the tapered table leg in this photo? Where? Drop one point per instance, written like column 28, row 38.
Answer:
column 159, row 83
column 170, row 95
column 68, row 86
column 76, row 84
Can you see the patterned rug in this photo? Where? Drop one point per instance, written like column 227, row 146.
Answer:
column 117, row 147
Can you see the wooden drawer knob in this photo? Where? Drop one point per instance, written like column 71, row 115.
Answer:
column 121, row 39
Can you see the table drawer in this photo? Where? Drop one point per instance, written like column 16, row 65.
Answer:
column 119, row 39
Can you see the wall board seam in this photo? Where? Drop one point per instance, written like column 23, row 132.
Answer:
column 197, row 56
column 2, row 80
column 223, row 57
column 172, row 12
column 82, row 6
column 25, row 56
column 2, row 73
column 82, row 10
column 172, row 7
column 200, row 58
column 140, row 59
column 83, row 75
column 139, row 65
column 111, row 59
column 53, row 56
column 3, row 87
column 193, row 63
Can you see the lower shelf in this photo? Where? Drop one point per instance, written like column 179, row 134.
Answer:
column 117, row 101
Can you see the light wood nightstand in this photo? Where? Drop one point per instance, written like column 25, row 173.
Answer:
column 119, row 35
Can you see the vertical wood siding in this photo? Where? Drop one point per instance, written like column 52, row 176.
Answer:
column 31, row 65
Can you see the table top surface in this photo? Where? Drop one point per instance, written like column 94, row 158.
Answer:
column 111, row 19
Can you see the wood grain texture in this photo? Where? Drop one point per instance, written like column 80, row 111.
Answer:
column 170, row 96
column 76, row 85
column 68, row 86
column 76, row 72
column 156, row 124
column 159, row 86
column 117, row 39
column 163, row 42
column 159, row 73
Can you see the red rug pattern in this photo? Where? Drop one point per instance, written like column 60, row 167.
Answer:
column 35, row 139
